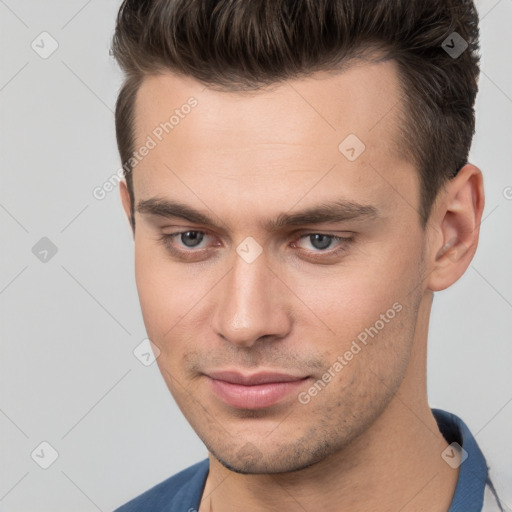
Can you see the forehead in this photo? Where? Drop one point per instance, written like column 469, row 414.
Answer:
column 351, row 100
column 285, row 136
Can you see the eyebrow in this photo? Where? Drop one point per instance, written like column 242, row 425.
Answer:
column 332, row 211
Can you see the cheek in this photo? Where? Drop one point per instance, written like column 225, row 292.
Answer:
column 161, row 293
column 174, row 298
column 352, row 297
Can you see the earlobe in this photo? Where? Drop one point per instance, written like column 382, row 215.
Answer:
column 456, row 217
column 126, row 202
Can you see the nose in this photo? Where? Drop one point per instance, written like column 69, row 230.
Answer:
column 252, row 304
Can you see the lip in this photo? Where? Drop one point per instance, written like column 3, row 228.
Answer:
column 256, row 391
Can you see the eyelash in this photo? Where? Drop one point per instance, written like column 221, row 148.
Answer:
column 167, row 238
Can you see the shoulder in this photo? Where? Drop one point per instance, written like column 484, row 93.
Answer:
column 179, row 492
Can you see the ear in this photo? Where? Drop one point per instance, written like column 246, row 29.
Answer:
column 455, row 219
column 126, row 201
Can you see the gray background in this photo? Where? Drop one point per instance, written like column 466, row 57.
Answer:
column 69, row 324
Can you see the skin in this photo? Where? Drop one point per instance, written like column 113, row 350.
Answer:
column 368, row 439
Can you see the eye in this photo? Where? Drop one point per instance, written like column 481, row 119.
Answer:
column 190, row 239
column 183, row 242
column 320, row 241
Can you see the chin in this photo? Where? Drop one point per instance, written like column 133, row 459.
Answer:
column 251, row 460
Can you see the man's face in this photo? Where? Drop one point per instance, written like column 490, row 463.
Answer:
column 226, row 317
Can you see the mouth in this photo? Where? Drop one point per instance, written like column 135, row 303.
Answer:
column 255, row 391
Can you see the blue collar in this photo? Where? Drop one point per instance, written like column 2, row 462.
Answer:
column 473, row 472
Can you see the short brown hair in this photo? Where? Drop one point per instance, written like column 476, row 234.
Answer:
column 238, row 45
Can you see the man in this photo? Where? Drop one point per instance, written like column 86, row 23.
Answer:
column 298, row 188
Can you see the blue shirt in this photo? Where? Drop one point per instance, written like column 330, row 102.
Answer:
column 183, row 491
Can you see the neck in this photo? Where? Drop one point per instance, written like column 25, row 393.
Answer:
column 395, row 464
